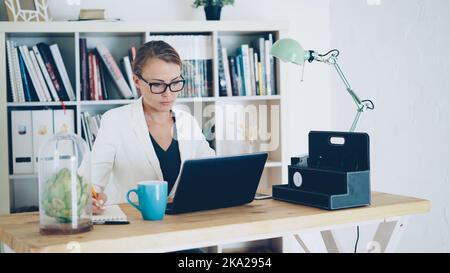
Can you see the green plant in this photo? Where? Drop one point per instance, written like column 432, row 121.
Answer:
column 57, row 198
column 220, row 3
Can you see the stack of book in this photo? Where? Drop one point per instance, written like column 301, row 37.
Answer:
column 98, row 65
column 250, row 72
column 37, row 74
column 196, row 54
column 90, row 126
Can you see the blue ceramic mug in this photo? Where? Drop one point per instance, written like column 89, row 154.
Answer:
column 152, row 197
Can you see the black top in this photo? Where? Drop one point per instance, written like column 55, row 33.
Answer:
column 169, row 161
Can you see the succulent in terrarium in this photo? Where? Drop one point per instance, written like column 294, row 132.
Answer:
column 57, row 196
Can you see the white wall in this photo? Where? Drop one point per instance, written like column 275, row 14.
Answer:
column 397, row 54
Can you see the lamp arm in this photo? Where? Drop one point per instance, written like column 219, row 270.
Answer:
column 362, row 106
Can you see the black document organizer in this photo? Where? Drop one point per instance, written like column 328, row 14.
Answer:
column 334, row 176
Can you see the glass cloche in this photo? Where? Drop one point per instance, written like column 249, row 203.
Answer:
column 65, row 185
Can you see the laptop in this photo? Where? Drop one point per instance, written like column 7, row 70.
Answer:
column 217, row 182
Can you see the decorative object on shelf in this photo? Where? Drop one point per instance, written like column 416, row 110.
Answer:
column 289, row 50
column 28, row 10
column 64, row 185
column 91, row 14
column 212, row 8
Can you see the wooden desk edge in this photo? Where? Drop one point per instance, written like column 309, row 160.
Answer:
column 416, row 206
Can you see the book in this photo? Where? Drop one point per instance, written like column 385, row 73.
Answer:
column 44, row 72
column 246, row 70
column 132, row 54
column 33, row 77
column 84, row 70
column 98, row 80
column 126, row 64
column 252, row 71
column 256, row 74
column 41, row 81
column 19, row 80
column 222, row 80
column 233, row 75
column 240, row 75
column 260, row 45
column 93, row 126
column 268, row 68
column 54, row 49
column 226, row 67
column 101, row 68
column 86, row 131
column 114, row 71
column 42, row 121
column 93, row 77
column 12, row 71
column 30, row 93
column 22, row 142
column 272, row 67
column 50, row 64
column 18, row 74
column 260, row 81
column 110, row 214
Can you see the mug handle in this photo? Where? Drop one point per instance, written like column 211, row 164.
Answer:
column 129, row 201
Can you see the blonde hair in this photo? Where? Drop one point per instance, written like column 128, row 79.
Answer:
column 155, row 49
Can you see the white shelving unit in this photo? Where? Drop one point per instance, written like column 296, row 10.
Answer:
column 119, row 37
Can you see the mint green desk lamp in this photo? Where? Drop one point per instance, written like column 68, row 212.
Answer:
column 289, row 50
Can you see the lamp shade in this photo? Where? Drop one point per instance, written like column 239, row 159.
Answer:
column 288, row 50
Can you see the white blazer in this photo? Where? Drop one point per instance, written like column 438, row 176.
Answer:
column 123, row 153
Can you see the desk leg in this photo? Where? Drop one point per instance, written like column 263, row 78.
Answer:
column 388, row 235
column 317, row 241
column 5, row 248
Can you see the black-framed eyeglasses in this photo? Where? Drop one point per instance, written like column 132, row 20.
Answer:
column 161, row 87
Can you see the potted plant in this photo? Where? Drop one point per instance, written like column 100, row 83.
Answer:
column 212, row 7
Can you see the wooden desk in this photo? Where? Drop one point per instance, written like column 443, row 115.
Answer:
column 260, row 219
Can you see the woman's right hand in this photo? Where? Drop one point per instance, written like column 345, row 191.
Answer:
column 98, row 203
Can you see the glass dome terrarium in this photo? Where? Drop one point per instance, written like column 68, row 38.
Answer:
column 64, row 185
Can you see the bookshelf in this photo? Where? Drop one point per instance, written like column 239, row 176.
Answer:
column 118, row 37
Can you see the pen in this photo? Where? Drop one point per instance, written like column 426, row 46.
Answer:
column 94, row 193
column 112, row 223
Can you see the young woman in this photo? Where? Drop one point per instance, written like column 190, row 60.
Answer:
column 146, row 140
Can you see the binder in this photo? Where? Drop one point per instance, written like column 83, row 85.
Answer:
column 42, row 129
column 22, row 142
column 63, row 122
